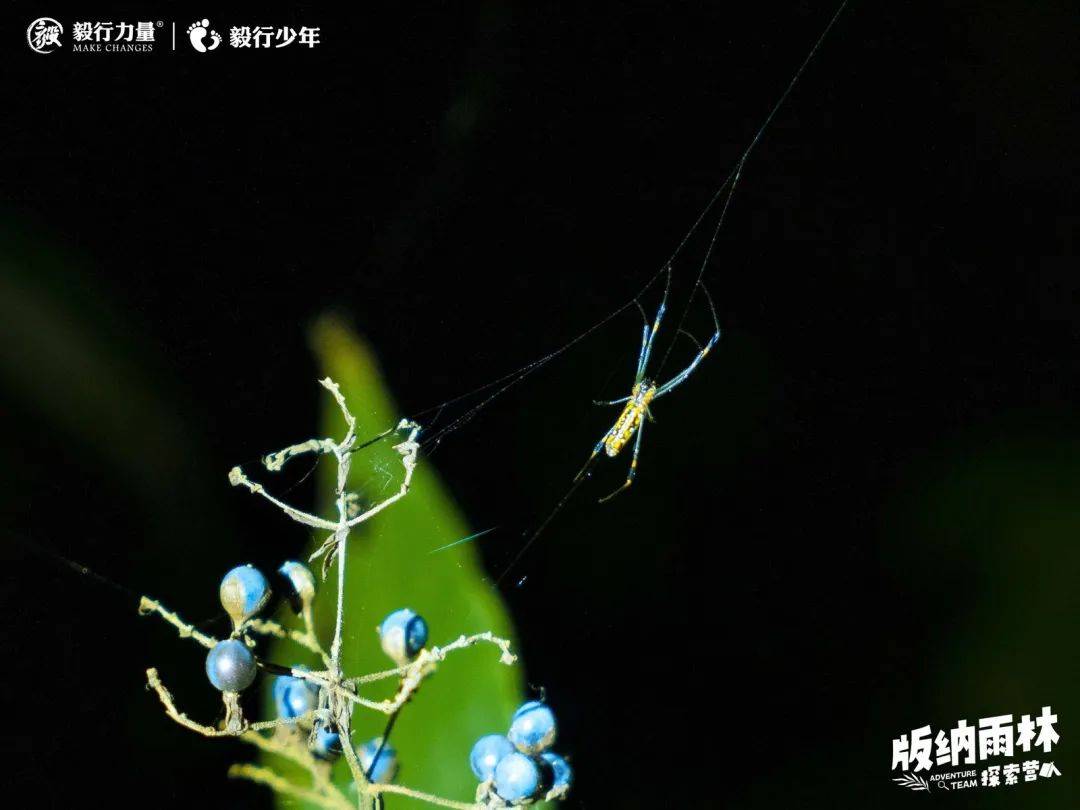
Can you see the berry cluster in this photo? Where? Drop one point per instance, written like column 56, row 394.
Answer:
column 299, row 698
column 231, row 666
column 518, row 768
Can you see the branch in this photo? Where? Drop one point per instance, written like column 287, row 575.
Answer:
column 148, row 606
column 414, row 673
column 305, row 639
column 238, row 479
column 320, row 447
column 166, row 698
column 439, row 654
column 408, row 449
column 235, row 725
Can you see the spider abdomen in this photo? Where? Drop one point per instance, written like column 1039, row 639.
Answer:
column 629, row 420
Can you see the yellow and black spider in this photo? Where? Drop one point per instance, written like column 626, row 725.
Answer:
column 645, row 390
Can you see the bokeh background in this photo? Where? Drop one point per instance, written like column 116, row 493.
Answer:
column 860, row 516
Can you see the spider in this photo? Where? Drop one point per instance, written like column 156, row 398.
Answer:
column 645, row 390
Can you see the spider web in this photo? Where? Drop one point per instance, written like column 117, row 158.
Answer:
column 480, row 397
column 477, row 399
column 460, row 410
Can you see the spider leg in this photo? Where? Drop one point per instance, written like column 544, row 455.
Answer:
column 648, row 344
column 595, row 452
column 646, row 333
column 633, row 466
column 686, row 372
column 644, row 343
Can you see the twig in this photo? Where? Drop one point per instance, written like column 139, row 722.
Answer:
column 148, row 606
column 305, row 639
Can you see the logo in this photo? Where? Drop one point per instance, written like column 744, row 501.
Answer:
column 112, row 37
column 916, row 755
column 202, row 38
column 131, row 36
column 43, row 35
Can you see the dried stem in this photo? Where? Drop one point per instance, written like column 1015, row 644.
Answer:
column 305, row 639
column 148, row 606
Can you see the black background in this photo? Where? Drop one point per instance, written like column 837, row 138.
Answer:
column 473, row 185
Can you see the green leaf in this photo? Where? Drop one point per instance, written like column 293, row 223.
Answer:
column 390, row 565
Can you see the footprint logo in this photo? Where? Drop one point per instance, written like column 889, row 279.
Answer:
column 197, row 33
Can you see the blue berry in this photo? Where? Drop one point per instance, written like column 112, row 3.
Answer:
column 244, row 592
column 562, row 772
column 532, row 728
column 486, row 754
column 294, row 697
column 547, row 776
column 327, row 743
column 300, row 584
column 385, row 764
column 517, row 778
column 403, row 634
column 230, row 666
